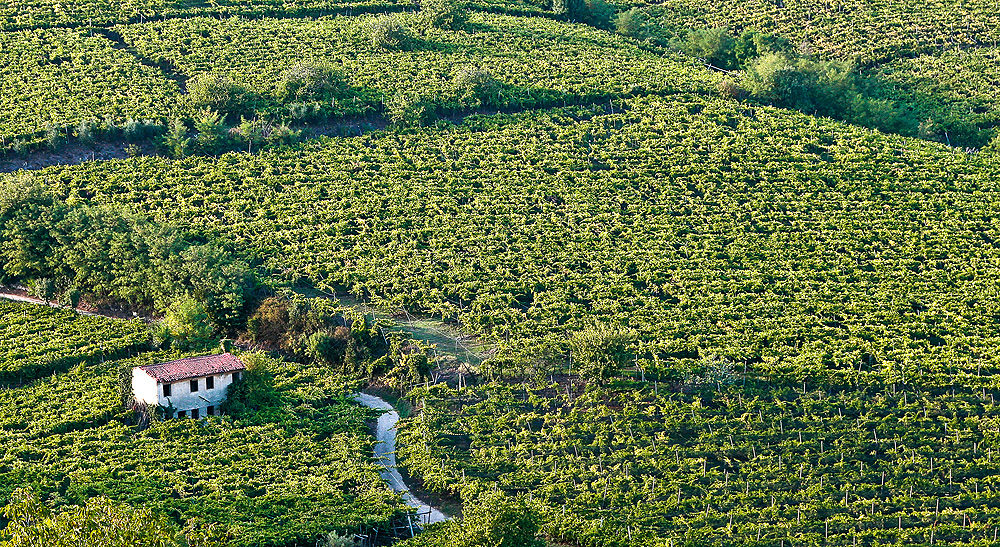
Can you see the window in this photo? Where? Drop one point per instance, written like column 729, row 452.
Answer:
column 236, row 376
column 194, row 413
column 182, row 414
column 210, row 382
column 210, row 411
column 166, row 390
column 194, row 385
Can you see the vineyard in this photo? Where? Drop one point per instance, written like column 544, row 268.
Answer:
column 846, row 29
column 537, row 62
column 66, row 437
column 701, row 312
column 36, row 341
column 62, row 77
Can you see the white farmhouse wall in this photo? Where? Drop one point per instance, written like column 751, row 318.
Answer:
column 183, row 399
column 144, row 387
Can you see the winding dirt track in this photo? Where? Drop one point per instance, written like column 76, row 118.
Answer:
column 385, row 452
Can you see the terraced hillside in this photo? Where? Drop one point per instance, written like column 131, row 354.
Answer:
column 67, row 437
column 710, row 319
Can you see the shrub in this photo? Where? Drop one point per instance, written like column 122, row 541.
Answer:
column 497, row 520
column 254, row 393
column 307, row 82
column 390, row 32
column 176, row 142
column 219, row 94
column 825, row 88
column 475, row 88
column 211, row 134
column 187, row 323
column 444, row 14
column 596, row 13
column 632, row 23
column 600, row 352
column 714, row 45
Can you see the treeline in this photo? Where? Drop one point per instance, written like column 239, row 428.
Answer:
column 68, row 252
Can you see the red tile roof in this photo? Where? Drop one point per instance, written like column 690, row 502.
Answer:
column 194, row 367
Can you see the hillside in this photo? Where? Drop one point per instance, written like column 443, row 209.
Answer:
column 713, row 316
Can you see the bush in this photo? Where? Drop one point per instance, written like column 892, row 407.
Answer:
column 633, row 23
column 824, row 88
column 187, row 323
column 476, row 88
column 211, row 134
column 390, row 32
column 596, row 13
column 254, row 393
column 444, row 14
column 600, row 352
column 496, row 520
column 312, row 82
column 219, row 94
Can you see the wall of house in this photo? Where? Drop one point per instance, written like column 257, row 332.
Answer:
column 144, row 387
column 183, row 399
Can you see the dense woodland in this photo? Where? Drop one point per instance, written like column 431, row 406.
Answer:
column 734, row 266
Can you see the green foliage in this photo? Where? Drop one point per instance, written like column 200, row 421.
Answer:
column 220, row 481
column 188, row 324
column 176, row 141
column 496, row 520
column 36, row 341
column 212, row 135
column 596, row 13
column 476, row 88
column 713, row 45
column 815, row 87
column 312, row 82
column 444, row 14
column 105, row 255
column 390, row 32
column 254, row 396
column 218, row 93
column 99, row 523
column 600, row 352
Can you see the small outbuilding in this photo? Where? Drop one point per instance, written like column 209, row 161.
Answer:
column 194, row 386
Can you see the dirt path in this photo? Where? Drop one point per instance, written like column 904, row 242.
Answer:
column 385, row 452
column 17, row 295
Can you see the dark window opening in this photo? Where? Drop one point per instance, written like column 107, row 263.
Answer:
column 166, row 390
column 194, row 413
column 182, row 414
column 210, row 411
column 194, row 386
column 210, row 382
column 236, row 376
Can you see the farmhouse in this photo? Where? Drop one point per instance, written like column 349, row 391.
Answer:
column 195, row 386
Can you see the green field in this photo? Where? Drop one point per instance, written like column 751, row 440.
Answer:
column 697, row 317
column 67, row 437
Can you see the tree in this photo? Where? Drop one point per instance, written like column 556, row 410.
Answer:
column 596, row 13
column 476, row 88
column 600, row 352
column 389, row 32
column 187, row 322
column 312, row 82
column 176, row 141
column 219, row 94
column 715, row 45
column 444, row 14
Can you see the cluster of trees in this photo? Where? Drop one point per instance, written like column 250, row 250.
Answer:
column 770, row 69
column 66, row 251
